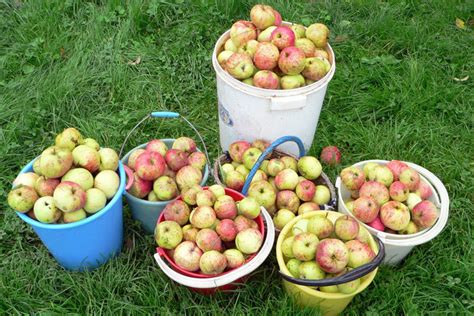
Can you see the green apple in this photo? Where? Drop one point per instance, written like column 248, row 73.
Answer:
column 109, row 159
column 283, row 217
column 311, row 271
column 309, row 167
column 80, row 176
column 287, row 247
column 95, row 200
column 300, row 226
column 293, row 266
column 108, row 181
column 45, row 210
column 168, row 234
column 322, row 195
column 75, row 216
column 92, row 143
column 304, row 246
column 69, row 139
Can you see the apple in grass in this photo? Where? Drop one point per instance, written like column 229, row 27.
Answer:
column 248, row 48
column 187, row 256
column 177, row 211
column 165, row 188
column 185, row 144
column 240, row 66
column 425, row 214
column 249, row 207
column 45, row 211
column 95, row 200
column 133, row 157
column 176, row 159
column 332, row 255
column 27, row 178
column 283, row 37
column 365, row 209
column 69, row 196
column 56, row 161
column 217, row 190
column 283, row 217
column 322, row 195
column 234, row 180
column 75, row 216
column 187, row 177
column 398, row 191
column 248, row 241
column 321, row 226
column 80, row 176
column 69, row 139
column 45, row 186
column 227, row 230
column 212, row 262
column 307, row 207
column 149, row 165
column 315, row 68
column 346, row 228
column 198, row 160
column 108, row 182
column 250, row 157
column 168, row 234
column 396, row 167
column 375, row 190
column 286, row 179
column 352, row 177
column 287, row 199
column 140, row 188
column 377, row 224
column 266, row 79
column 318, row 33
column 423, row 190
column 292, row 60
column 158, row 146
column 109, row 160
column 230, row 46
column 207, row 239
column 304, row 246
column 300, row 31
column 395, row 215
column 383, row 175
column 309, row 167
column 305, row 190
column 225, row 207
column 234, row 258
column 86, row 157
column 331, row 155
column 22, row 198
column 242, row 32
column 266, row 35
column 360, row 253
column 410, row 178
column 262, row 16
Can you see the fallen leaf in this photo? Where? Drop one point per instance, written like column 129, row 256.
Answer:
column 136, row 62
column 460, row 24
column 341, row 38
column 461, row 79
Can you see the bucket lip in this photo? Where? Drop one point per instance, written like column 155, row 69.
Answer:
column 365, row 282
column 425, row 235
column 270, row 92
column 205, row 176
column 108, row 207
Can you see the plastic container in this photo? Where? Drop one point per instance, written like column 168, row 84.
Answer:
column 307, row 295
column 248, row 112
column 228, row 280
column 397, row 247
column 86, row 244
column 144, row 211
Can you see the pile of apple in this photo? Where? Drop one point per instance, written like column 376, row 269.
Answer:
column 71, row 180
column 160, row 173
column 317, row 248
column 283, row 185
column 208, row 231
column 390, row 198
column 266, row 54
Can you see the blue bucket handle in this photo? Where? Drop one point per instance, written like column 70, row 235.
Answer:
column 267, row 151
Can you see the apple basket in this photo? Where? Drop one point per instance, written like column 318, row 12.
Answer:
column 228, row 280
column 305, row 291
column 398, row 246
column 144, row 211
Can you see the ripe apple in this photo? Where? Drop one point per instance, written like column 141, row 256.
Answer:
column 332, row 255
column 359, row 253
column 300, row 226
column 225, row 207
column 315, row 68
column 176, row 159
column 349, row 287
column 369, row 170
column 27, row 178
column 266, row 35
column 187, row 256
column 309, row 167
column 286, row 179
column 410, row 178
column 242, row 32
column 212, row 262
column 365, row 209
column 92, row 143
column 230, row 46
column 157, row 145
column 189, row 232
column 410, row 229
column 86, row 157
column 69, row 196
column 346, row 228
column 321, row 226
column 287, row 199
column 292, row 82
column 350, row 205
column 177, row 211
column 266, row 56
column 152, row 197
column 395, row 215
column 283, row 217
column 251, row 156
column 396, row 167
column 278, row 19
column 331, row 155
column 37, row 166
column 75, row 216
column 217, row 190
column 311, row 271
column 108, row 181
column 305, row 190
column 185, row 144
column 237, row 149
column 307, row 207
column 318, row 33
column 292, row 60
column 189, row 195
column 165, row 188
column 242, row 223
column 240, row 66
column 95, row 200
column 234, row 258
column 425, row 214
column 375, row 190
column 283, row 37
column 248, row 241
column 45, row 211
column 207, row 239
column 55, row 162
column 234, row 180
column 168, row 234
column 318, row 52
column 287, row 247
column 423, row 190
column 274, row 166
column 293, row 266
column 149, row 165
column 398, row 191
column 352, row 177
column 266, row 79
column 45, row 186
column 140, row 188
column 262, row 16
column 227, row 230
column 223, row 56
column 290, row 163
column 205, row 198
column 187, row 177
column 132, row 159
column 22, row 198
column 329, row 288
column 248, row 48
column 412, row 200
column 80, row 176
column 197, row 160
column 263, row 192
column 322, row 195
column 299, row 31
column 383, row 175
column 304, row 246
column 363, row 236
column 69, row 138
column 249, row 207
column 109, row 160
column 377, row 224
column 203, row 217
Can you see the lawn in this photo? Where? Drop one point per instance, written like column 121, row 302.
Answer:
column 400, row 92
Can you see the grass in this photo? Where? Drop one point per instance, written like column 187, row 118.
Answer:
column 394, row 96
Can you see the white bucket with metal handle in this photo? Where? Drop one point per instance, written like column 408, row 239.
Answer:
column 248, row 113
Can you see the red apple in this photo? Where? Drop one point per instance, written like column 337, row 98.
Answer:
column 398, row 191
column 425, row 214
column 423, row 190
column 225, row 207
column 177, row 211
column 292, row 60
column 237, row 149
column 266, row 56
column 150, row 165
column 331, row 155
column 396, row 166
column 158, row 146
column 375, row 190
column 242, row 32
column 352, row 177
column 305, row 190
column 227, row 230
column 266, row 79
column 365, row 209
column 395, row 215
column 332, row 255
column 410, row 178
column 283, row 37
column 207, row 239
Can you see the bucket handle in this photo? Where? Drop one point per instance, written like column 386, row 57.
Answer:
column 232, row 276
column 350, row 276
column 267, row 151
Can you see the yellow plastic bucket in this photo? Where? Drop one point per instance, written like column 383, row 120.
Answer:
column 328, row 303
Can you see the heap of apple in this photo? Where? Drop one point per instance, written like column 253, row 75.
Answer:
column 318, row 248
column 161, row 173
column 208, row 231
column 71, row 180
column 284, row 186
column 266, row 54
column 391, row 198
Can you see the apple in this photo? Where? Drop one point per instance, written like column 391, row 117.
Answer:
column 350, row 205
column 293, row 266
column 365, row 209
column 251, row 156
column 396, row 167
column 305, row 190
column 86, row 157
column 230, row 46
column 242, row 32
column 205, row 198
column 95, row 200
column 203, row 217
column 292, row 60
column 55, row 162
column 108, row 181
column 346, row 228
column 80, row 176
column 321, row 226
column 248, row 48
column 249, row 207
column 223, row 57
column 45, row 211
column 300, row 226
column 168, row 234
column 140, row 188
column 109, row 160
column 359, row 253
column 286, row 179
column 69, row 139
column 176, row 211
column 198, row 160
column 423, row 190
column 176, row 159
column 349, row 287
column 157, row 145
column 234, row 180
column 234, row 258
column 266, row 35
column 395, row 215
column 311, row 271
column 22, row 198
column 266, row 56
column 240, row 66
column 375, row 190
column 227, row 230
column 69, row 196
column 307, row 207
column 45, row 186
column 318, row 52
column 299, row 31
column 331, row 155
column 37, row 166
column 75, row 216
column 132, row 159
column 412, row 200
column 212, row 262
column 363, row 236
column 352, row 177
column 377, row 224
column 242, row 170
column 266, row 79
column 242, row 223
column 189, row 195
column 278, row 19
column 318, row 33
column 248, row 241
column 283, row 217
column 259, row 176
column 187, row 256
column 262, row 16
column 187, row 177
column 207, row 239
column 152, row 197
column 329, row 288
column 149, row 165
column 410, row 178
column 309, row 167
column 398, row 191
column 287, row 199
column 237, row 149
column 410, row 229
column 383, row 175
column 185, row 144
column 332, row 255
column 369, row 170
column 165, row 188
column 287, row 247
column 322, row 195
column 225, row 207
column 283, row 37
column 263, row 192
column 425, row 214
column 304, row 246
column 315, row 68
column 92, row 143
column 217, row 190
column 27, row 178
column 290, row 163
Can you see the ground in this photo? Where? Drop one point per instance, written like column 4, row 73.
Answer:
column 401, row 91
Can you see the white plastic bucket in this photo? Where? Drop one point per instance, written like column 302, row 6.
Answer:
column 397, row 247
column 249, row 113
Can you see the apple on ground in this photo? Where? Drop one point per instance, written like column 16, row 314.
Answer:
column 331, row 155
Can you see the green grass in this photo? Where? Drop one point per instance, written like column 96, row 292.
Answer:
column 65, row 63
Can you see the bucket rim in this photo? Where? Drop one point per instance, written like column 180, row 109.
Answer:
column 87, row 220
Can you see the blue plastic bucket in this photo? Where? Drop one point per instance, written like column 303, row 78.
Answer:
column 86, row 244
column 147, row 212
